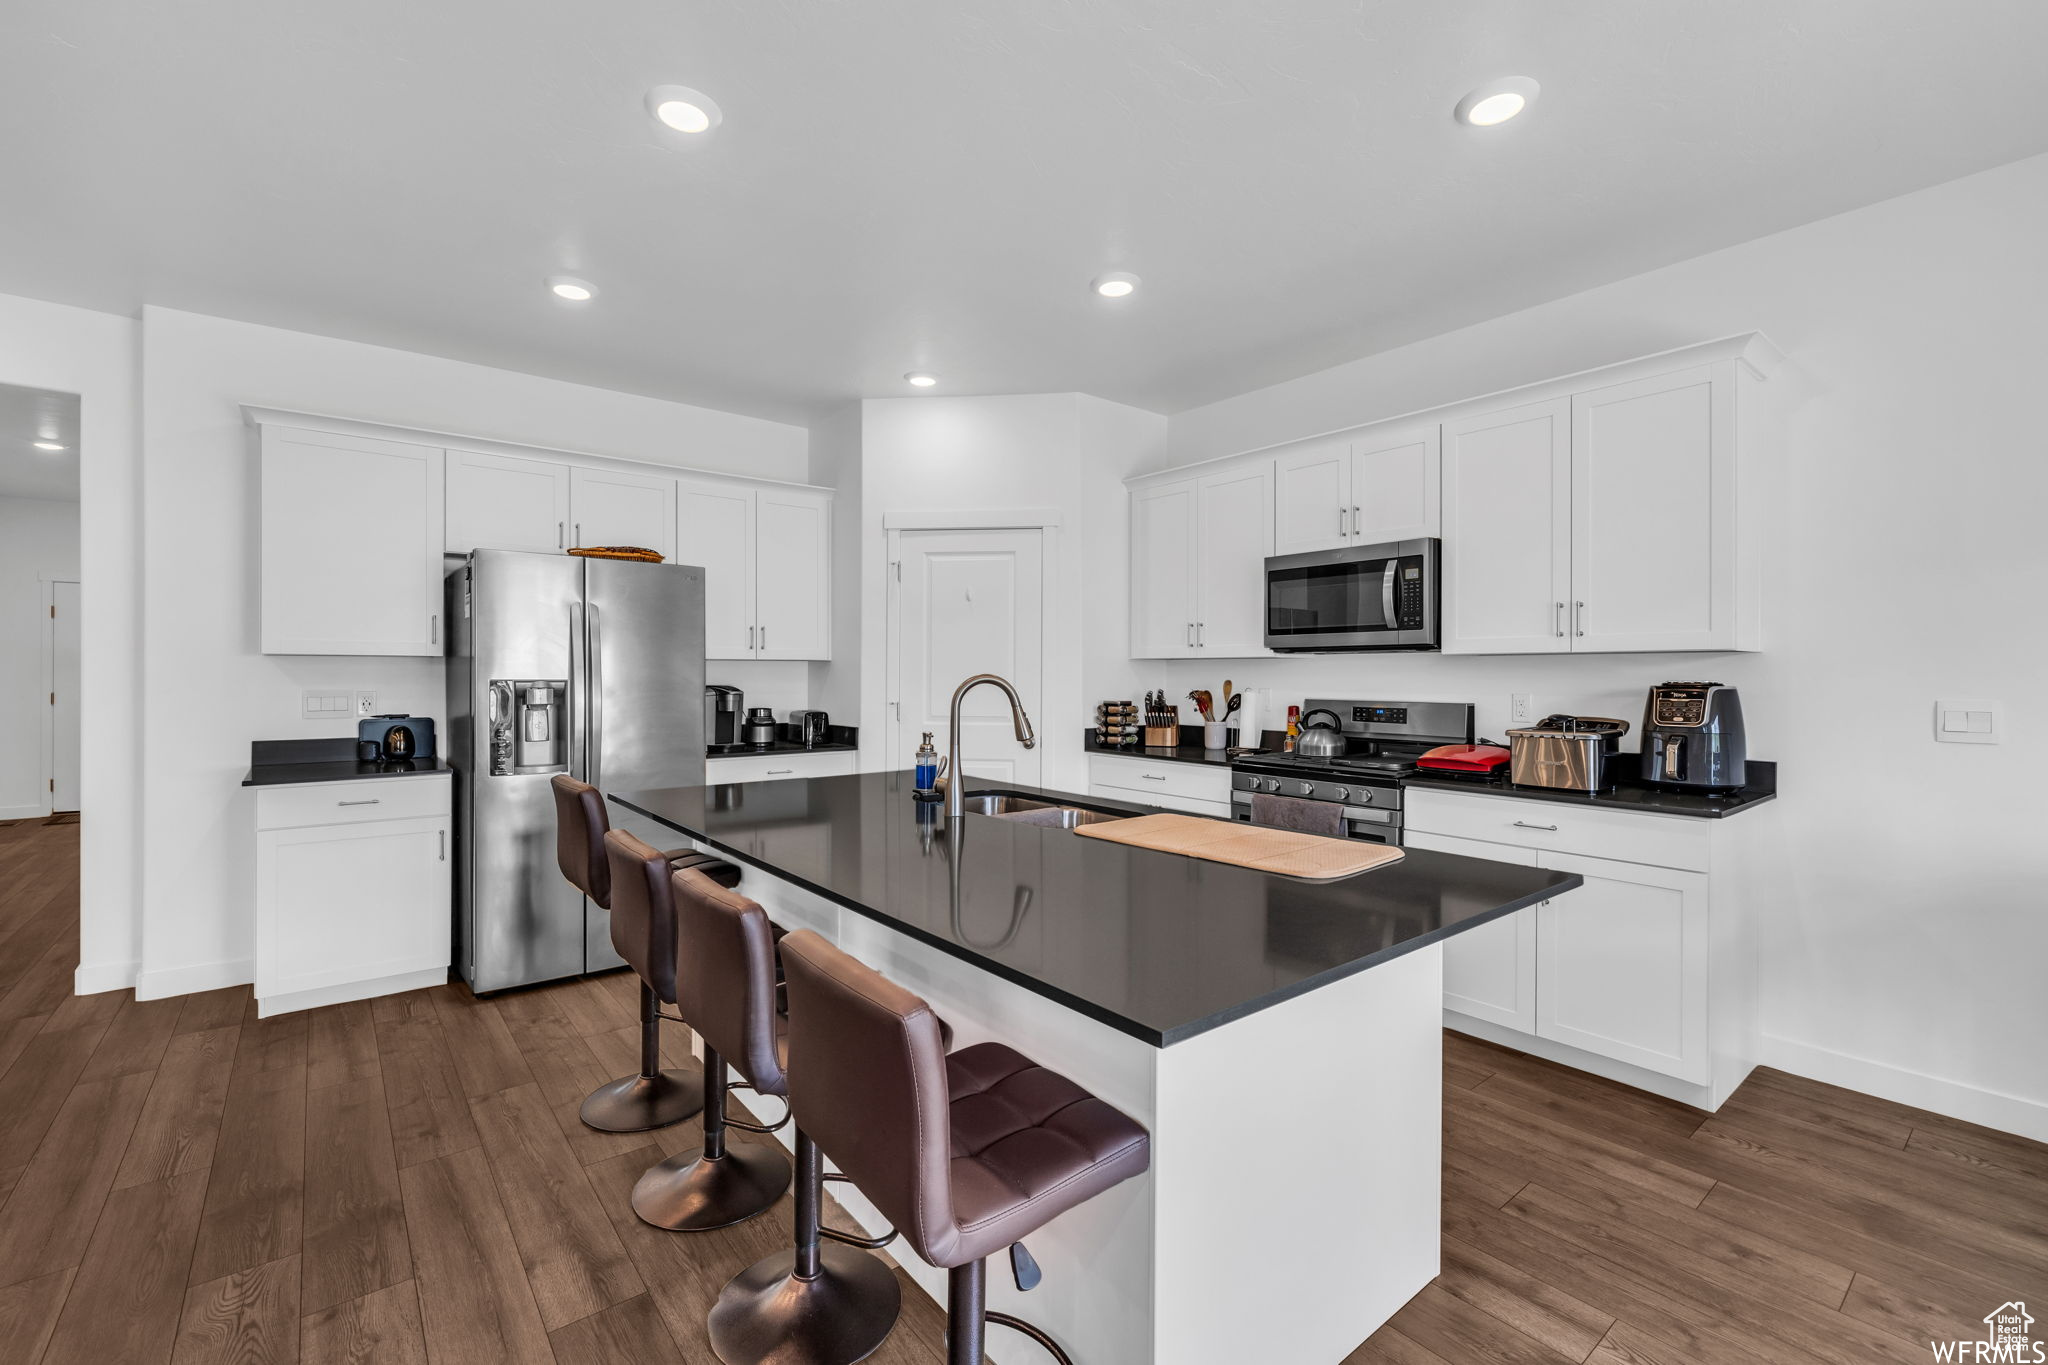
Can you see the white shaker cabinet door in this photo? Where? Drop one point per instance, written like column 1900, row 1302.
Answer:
column 1312, row 497
column 498, row 502
column 715, row 530
column 1490, row 972
column 615, row 507
column 1623, row 965
column 1507, row 559
column 1163, row 571
column 352, row 902
column 1234, row 536
column 1396, row 486
column 352, row 544
column 1653, row 514
column 792, row 574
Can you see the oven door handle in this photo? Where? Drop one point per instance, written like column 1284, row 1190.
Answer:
column 1387, row 594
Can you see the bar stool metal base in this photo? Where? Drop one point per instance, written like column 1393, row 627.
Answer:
column 840, row 1315
column 696, row 1193
column 638, row 1104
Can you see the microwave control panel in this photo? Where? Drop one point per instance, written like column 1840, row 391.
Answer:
column 1408, row 601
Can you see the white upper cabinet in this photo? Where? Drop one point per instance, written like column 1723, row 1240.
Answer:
column 1312, row 497
column 793, row 574
column 1163, row 519
column 1233, row 537
column 1373, row 489
column 619, row 507
column 352, row 543
column 1507, row 553
column 1396, row 482
column 1653, row 513
column 497, row 502
column 715, row 530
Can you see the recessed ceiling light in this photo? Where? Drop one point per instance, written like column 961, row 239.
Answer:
column 919, row 380
column 1116, row 284
column 570, row 288
column 682, row 109
column 49, row 445
column 1497, row 101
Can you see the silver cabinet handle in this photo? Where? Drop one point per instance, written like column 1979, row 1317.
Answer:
column 371, row 802
column 444, row 844
column 1578, row 618
column 1153, row 777
column 579, row 533
column 1341, row 532
column 434, row 629
column 1191, row 635
column 750, row 637
column 561, row 537
column 764, row 637
column 780, row 772
column 1355, row 523
column 1524, row 824
column 1201, row 635
column 1560, row 620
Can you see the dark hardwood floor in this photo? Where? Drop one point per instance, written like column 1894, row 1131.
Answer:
column 405, row 1181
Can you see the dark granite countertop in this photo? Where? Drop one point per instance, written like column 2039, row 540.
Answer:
column 295, row 762
column 1627, row 794
column 1156, row 945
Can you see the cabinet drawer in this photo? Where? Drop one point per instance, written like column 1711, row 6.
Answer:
column 1155, row 779
column 342, row 803
column 778, row 767
column 1658, row 840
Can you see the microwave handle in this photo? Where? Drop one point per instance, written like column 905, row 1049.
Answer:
column 1387, row 594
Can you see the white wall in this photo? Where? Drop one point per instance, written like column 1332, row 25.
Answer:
column 38, row 541
column 94, row 355
column 1907, row 956
column 210, row 691
column 1064, row 451
column 836, row 463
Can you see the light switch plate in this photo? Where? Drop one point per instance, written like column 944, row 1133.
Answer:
column 1522, row 708
column 325, row 704
column 366, row 705
column 1969, row 720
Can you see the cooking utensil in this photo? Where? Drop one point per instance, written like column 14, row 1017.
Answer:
column 1200, row 697
column 1320, row 741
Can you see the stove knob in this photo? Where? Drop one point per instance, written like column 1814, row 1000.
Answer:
column 1308, row 789
column 1365, row 795
column 1343, row 793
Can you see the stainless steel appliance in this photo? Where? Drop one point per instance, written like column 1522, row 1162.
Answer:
column 812, row 726
column 1573, row 753
column 1318, row 740
column 1693, row 737
column 1356, row 598
column 1381, row 739
column 558, row 664
column 723, row 707
column 759, row 728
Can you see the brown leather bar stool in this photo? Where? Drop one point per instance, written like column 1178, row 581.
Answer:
column 967, row 1153
column 726, row 988
column 654, row 1098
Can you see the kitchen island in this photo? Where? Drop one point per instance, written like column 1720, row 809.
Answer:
column 1281, row 1040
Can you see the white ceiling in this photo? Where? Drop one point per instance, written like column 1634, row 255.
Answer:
column 930, row 184
column 27, row 416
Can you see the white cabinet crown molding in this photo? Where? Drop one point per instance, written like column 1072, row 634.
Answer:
column 1753, row 351
column 258, row 416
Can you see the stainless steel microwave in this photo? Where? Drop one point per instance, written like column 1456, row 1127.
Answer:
column 1355, row 598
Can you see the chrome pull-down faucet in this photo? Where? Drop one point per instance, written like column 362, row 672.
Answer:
column 956, row 811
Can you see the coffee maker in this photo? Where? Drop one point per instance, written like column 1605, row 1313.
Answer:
column 1693, row 737
column 724, row 705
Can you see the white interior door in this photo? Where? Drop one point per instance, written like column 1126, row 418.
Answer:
column 971, row 602
column 64, row 698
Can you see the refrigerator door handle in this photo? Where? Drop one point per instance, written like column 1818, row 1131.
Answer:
column 595, row 709
column 578, row 691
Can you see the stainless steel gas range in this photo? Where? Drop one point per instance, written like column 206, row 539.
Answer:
column 1381, row 741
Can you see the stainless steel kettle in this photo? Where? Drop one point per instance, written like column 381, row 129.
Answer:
column 1320, row 741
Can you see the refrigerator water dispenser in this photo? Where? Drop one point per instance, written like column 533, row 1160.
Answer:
column 528, row 729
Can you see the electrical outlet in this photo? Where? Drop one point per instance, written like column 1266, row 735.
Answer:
column 366, row 704
column 1522, row 708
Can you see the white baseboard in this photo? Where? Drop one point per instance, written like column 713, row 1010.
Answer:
column 93, row 977
column 1971, row 1104
column 268, row 1005
column 200, row 976
column 23, row 812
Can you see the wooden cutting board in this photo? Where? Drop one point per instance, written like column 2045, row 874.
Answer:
column 1280, row 851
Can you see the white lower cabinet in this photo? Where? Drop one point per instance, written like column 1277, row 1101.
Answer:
column 1196, row 789
column 1644, row 964
column 779, row 767
column 352, row 890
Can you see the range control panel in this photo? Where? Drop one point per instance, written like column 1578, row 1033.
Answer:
column 1682, row 705
column 1380, row 715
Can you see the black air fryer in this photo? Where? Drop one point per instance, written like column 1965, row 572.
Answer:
column 1693, row 737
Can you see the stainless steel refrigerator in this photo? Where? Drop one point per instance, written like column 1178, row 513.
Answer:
column 558, row 664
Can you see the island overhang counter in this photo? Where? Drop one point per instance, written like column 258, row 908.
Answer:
column 1281, row 1040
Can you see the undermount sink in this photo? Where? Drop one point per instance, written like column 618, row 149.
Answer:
column 1027, row 811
